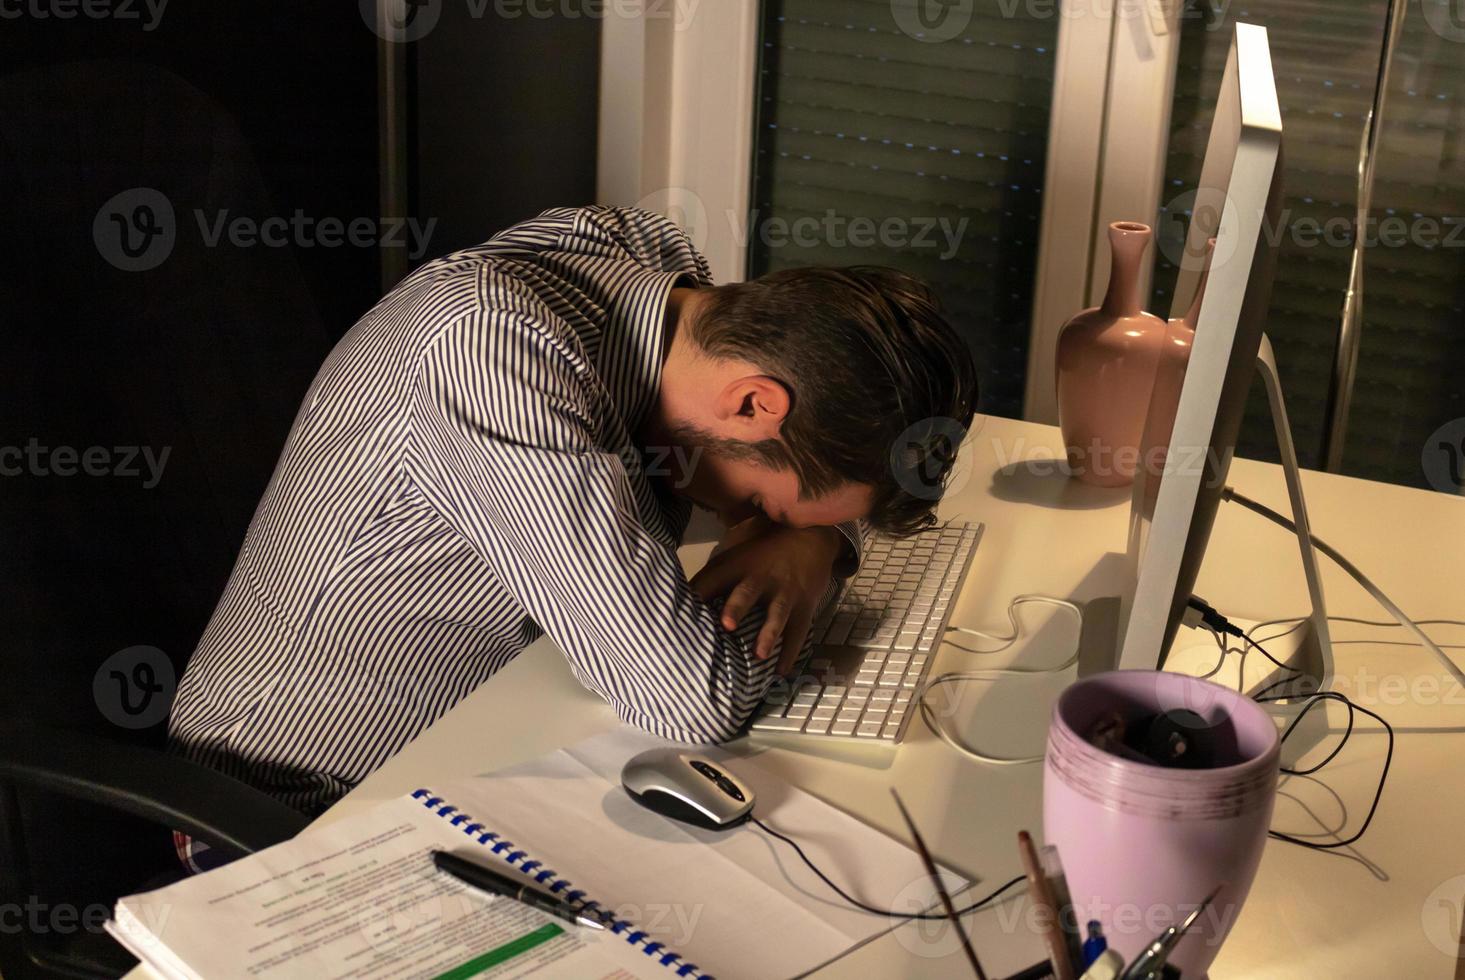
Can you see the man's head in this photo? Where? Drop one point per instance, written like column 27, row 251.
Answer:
column 816, row 395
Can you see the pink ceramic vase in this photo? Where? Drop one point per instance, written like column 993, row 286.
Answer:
column 1106, row 364
column 1169, row 380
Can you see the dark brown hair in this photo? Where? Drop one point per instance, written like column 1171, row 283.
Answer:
column 882, row 387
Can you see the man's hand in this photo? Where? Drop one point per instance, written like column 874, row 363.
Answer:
column 788, row 569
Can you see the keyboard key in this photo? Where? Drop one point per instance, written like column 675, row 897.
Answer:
column 869, row 729
column 891, row 728
column 798, row 711
column 842, row 728
column 766, row 724
column 818, row 726
column 839, row 630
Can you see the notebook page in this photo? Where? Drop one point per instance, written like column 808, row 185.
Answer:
column 359, row 898
column 736, row 902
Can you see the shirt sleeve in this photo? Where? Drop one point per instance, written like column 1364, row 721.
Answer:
column 854, row 533
column 501, row 447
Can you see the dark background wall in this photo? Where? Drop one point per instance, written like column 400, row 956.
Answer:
column 505, row 120
column 199, row 352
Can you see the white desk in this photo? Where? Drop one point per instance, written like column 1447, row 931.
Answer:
column 1361, row 913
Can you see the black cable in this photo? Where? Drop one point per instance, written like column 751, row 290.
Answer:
column 933, row 916
column 1221, row 624
column 1262, row 650
column 1216, row 621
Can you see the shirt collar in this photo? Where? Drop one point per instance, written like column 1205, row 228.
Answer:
column 633, row 346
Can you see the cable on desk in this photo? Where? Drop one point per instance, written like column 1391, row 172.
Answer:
column 929, row 916
column 1230, row 493
column 933, row 721
column 1383, row 775
column 1215, row 621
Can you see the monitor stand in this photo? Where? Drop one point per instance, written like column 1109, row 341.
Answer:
column 1307, row 651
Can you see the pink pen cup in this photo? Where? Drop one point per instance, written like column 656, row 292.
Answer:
column 1141, row 844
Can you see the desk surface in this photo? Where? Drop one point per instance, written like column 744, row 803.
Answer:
column 1389, row 906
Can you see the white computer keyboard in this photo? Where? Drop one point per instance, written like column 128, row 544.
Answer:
column 872, row 648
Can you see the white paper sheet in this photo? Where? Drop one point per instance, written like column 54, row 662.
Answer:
column 361, row 898
column 737, row 903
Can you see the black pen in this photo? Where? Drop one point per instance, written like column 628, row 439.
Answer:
column 485, row 879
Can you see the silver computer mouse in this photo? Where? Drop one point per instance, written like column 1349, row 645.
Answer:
column 686, row 786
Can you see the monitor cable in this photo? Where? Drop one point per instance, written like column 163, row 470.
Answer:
column 1230, row 493
column 933, row 719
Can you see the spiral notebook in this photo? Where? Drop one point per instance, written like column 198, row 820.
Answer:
column 359, row 897
column 551, row 881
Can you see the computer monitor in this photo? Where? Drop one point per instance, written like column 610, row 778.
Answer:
column 1191, row 428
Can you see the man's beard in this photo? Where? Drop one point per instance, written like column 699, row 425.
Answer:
column 767, row 452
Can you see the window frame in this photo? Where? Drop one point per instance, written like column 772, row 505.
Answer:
column 678, row 111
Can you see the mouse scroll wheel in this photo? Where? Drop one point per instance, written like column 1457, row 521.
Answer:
column 707, row 770
column 730, row 788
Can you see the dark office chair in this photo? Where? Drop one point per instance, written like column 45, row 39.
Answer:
column 207, row 355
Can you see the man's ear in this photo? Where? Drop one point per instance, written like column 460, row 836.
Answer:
column 753, row 407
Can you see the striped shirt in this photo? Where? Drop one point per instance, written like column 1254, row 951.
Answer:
column 462, row 477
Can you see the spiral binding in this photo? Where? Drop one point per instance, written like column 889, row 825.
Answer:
column 555, row 884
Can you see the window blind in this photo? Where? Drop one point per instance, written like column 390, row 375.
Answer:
column 875, row 146
column 1325, row 57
